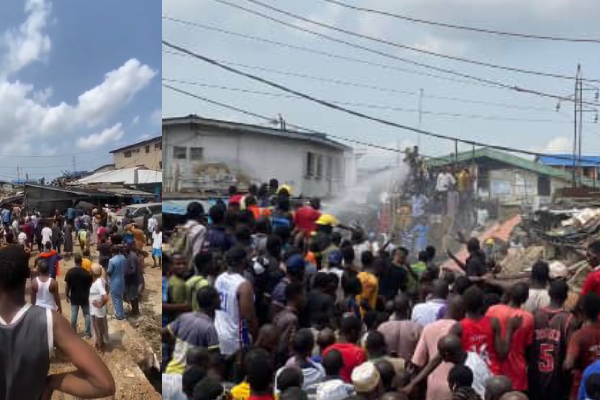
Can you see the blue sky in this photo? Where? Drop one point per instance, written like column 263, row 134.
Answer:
column 76, row 79
column 541, row 128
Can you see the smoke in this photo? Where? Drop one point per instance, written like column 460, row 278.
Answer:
column 360, row 202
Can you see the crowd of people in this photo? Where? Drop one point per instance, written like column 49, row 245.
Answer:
column 116, row 277
column 269, row 301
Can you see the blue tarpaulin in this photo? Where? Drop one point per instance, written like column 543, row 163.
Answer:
column 178, row 207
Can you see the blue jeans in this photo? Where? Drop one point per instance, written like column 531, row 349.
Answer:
column 85, row 309
column 117, row 300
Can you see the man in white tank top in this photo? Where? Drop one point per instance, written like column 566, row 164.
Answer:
column 236, row 321
column 44, row 289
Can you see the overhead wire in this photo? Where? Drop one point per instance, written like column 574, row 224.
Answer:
column 268, row 119
column 355, row 113
column 378, row 88
column 406, row 47
column 322, row 53
column 370, row 106
column 483, row 81
column 463, row 27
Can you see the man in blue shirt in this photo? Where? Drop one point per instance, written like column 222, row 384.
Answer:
column 116, row 279
column 592, row 369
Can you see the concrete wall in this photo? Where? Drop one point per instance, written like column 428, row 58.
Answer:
column 148, row 155
column 258, row 157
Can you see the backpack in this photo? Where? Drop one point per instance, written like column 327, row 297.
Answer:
column 181, row 243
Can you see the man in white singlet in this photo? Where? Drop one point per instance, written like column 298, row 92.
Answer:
column 44, row 289
column 236, row 321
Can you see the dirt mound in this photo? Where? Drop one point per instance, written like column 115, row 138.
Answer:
column 519, row 260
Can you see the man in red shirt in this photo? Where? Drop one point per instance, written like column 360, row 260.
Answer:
column 592, row 282
column 584, row 345
column 307, row 216
column 353, row 355
column 479, row 333
column 518, row 338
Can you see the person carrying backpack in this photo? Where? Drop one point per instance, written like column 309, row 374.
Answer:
column 187, row 239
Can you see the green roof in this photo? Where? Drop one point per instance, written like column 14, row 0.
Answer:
column 506, row 158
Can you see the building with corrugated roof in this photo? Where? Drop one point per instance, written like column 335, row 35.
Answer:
column 206, row 154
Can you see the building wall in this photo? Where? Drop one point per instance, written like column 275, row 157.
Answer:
column 509, row 185
column 255, row 158
column 148, row 155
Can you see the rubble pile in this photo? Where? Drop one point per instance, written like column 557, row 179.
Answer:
column 570, row 228
column 521, row 259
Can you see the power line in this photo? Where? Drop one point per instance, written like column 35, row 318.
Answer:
column 462, row 27
column 479, row 80
column 49, row 156
column 377, row 88
column 346, row 110
column 322, row 53
column 268, row 119
column 390, row 43
column 367, row 105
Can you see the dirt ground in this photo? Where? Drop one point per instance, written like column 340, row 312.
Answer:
column 130, row 340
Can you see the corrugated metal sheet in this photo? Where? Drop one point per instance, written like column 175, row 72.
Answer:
column 566, row 160
column 125, row 176
column 509, row 159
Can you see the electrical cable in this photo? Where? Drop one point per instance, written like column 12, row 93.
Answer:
column 347, row 110
column 481, row 81
column 370, row 106
column 387, row 42
column 322, row 53
column 263, row 117
column 377, row 88
column 462, row 27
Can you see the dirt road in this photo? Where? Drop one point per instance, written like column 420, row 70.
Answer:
column 130, row 340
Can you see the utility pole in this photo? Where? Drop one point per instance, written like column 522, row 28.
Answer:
column 580, row 106
column 576, row 122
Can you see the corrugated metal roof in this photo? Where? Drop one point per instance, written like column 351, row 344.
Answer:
column 138, row 144
column 125, row 176
column 320, row 138
column 566, row 160
column 518, row 162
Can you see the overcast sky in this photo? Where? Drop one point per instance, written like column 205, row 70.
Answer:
column 76, row 78
column 533, row 124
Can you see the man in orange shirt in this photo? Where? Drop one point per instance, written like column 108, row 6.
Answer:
column 515, row 364
column 138, row 236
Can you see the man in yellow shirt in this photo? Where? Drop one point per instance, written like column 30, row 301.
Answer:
column 369, row 283
column 86, row 263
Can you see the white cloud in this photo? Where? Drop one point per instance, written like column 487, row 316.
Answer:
column 28, row 43
column 100, row 139
column 558, row 145
column 22, row 114
column 135, row 120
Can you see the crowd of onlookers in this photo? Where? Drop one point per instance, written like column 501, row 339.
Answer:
column 263, row 301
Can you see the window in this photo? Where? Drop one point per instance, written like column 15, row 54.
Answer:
column 196, row 153
column 329, row 168
column 179, row 153
column 319, row 166
column 158, row 145
column 157, row 209
column 137, row 150
column 147, row 149
column 127, row 154
column 310, row 164
column 160, row 164
column 544, row 186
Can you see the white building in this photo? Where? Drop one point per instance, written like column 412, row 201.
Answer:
column 200, row 153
